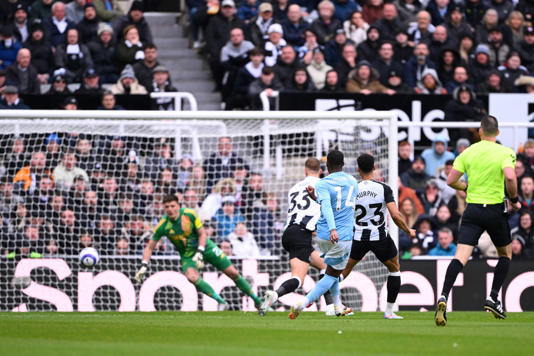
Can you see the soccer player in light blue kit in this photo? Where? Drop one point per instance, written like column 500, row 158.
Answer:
column 335, row 229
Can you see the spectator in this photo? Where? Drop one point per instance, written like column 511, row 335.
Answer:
column 233, row 56
column 474, row 12
column 227, row 217
column 107, row 10
column 11, row 99
column 332, row 84
column 503, row 7
column 126, row 208
column 526, row 48
column 22, row 74
column 444, row 218
column 196, row 181
column 385, row 63
column 91, row 83
column 437, row 155
column 243, row 242
column 248, row 9
column 21, row 24
column 441, row 179
column 425, row 233
column 41, row 9
column 222, row 163
column 73, row 56
column 76, row 194
column 217, row 35
column 390, row 23
column 133, row 18
column 356, row 28
column 402, row 49
column 268, row 83
column 421, row 31
column 88, row 25
column 408, row 208
column 417, row 64
column 439, row 10
column 364, row 80
column 527, row 157
column 416, row 177
column 109, row 194
column 106, row 234
column 317, row 69
column 58, row 24
column 348, row 63
column 68, row 233
column 16, row 157
column 122, row 247
column 489, row 22
column 70, row 103
column 466, row 50
column 226, row 248
column 334, row 47
column 274, row 45
column 517, row 249
column 395, row 83
column 405, row 153
column 102, row 52
column 516, row 23
column 75, row 10
column 525, row 233
column 165, row 183
column 294, row 26
column 66, row 171
column 9, row 46
column 527, row 193
column 325, row 26
column 368, row 49
column 42, row 58
column 160, row 84
column 286, row 64
column 109, row 102
column 408, row 10
column 440, row 40
column 445, row 246
column 191, row 199
column 160, row 159
column 430, row 83
column 456, row 24
column 480, row 68
column 344, row 9
column 130, row 50
column 463, row 107
column 245, row 76
column 527, row 9
column 300, row 81
column 128, row 84
column 431, row 197
column 373, row 10
column 498, row 48
column 492, row 84
column 135, row 233
column 280, row 10
column 143, row 69
column 259, row 24
column 511, row 71
column 306, row 51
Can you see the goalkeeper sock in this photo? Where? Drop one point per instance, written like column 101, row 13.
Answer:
column 327, row 296
column 501, row 270
column 205, row 288
column 243, row 285
column 452, row 272
column 320, row 288
column 288, row 286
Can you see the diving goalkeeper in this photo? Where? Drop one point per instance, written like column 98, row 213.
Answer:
column 184, row 229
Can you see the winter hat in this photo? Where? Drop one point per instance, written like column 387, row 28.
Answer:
column 127, row 72
column 102, row 27
column 482, row 48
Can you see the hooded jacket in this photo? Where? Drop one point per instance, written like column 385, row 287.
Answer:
column 317, row 73
column 432, row 159
column 422, row 89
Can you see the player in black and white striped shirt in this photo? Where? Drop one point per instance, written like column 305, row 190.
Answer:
column 302, row 216
column 371, row 234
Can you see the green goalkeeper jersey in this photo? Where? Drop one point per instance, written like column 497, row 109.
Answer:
column 182, row 232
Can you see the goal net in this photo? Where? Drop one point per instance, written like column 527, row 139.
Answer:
column 80, row 179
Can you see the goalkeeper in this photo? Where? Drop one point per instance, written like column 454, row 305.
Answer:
column 184, row 229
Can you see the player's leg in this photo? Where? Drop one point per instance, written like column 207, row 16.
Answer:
column 241, row 283
column 193, row 276
column 387, row 253
column 350, row 266
column 317, row 262
column 500, row 235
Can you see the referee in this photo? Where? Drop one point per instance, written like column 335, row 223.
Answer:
column 489, row 166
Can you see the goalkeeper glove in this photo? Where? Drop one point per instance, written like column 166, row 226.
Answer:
column 198, row 258
column 142, row 271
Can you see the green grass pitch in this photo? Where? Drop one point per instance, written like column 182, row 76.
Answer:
column 244, row 334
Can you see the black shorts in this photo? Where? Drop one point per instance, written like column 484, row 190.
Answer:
column 384, row 249
column 298, row 242
column 478, row 218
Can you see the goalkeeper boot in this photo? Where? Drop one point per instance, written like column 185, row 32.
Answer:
column 392, row 316
column 441, row 312
column 495, row 307
column 295, row 310
column 269, row 299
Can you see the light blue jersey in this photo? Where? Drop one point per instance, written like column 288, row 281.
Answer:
column 337, row 195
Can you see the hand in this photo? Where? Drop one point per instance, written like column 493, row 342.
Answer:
column 365, row 92
column 141, row 273
column 412, row 233
column 333, row 236
column 311, row 192
column 516, row 206
column 198, row 258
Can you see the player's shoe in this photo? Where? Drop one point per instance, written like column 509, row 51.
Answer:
column 223, row 307
column 268, row 300
column 392, row 316
column 330, row 310
column 295, row 310
column 496, row 308
column 441, row 312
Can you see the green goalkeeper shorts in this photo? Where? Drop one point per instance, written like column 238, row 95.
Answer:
column 212, row 255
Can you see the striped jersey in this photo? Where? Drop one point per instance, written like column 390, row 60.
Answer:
column 302, row 209
column 337, row 194
column 371, row 210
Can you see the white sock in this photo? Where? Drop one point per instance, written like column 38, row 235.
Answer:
column 305, row 302
column 337, row 300
column 389, row 308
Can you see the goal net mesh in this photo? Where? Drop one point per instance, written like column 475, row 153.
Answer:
column 70, row 184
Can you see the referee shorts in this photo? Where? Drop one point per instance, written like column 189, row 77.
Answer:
column 478, row 218
column 384, row 249
column 298, row 242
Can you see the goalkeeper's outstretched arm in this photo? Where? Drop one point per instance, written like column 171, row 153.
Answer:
column 147, row 253
column 399, row 219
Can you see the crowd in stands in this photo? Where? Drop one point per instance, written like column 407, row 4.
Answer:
column 434, row 209
column 62, row 192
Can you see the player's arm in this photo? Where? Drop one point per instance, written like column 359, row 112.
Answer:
column 511, row 187
column 326, row 210
column 453, row 180
column 198, row 257
column 398, row 219
column 147, row 254
column 311, row 192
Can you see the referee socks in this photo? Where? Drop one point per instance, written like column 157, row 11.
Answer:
column 452, row 272
column 501, row 270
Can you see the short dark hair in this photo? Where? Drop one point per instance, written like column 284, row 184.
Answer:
column 169, row 198
column 313, row 164
column 150, row 46
column 489, row 125
column 366, row 162
column 335, row 159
